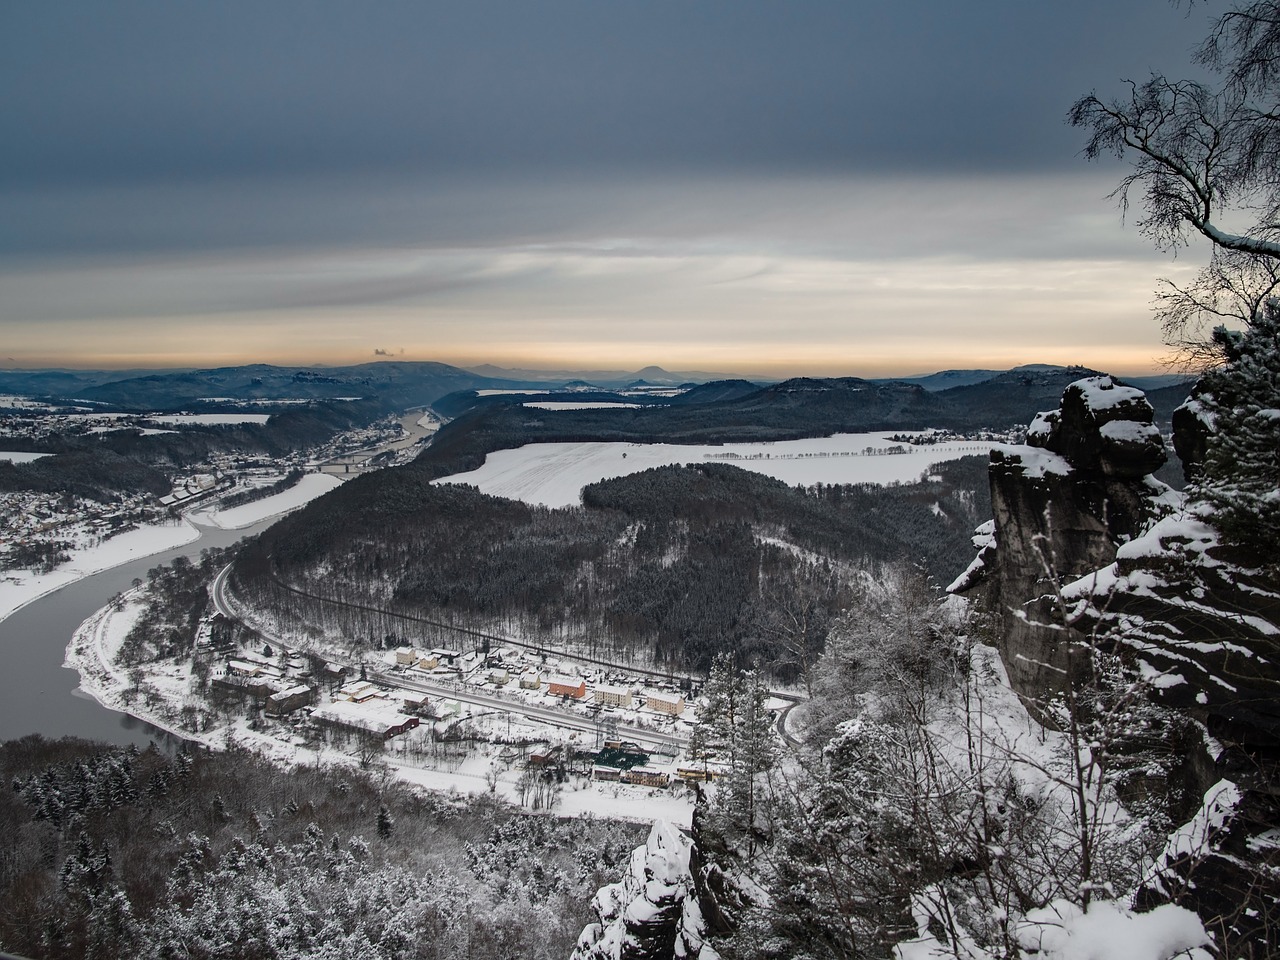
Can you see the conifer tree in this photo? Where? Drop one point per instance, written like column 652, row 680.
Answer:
column 1239, row 403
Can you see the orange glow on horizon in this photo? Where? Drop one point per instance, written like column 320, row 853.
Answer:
column 740, row 360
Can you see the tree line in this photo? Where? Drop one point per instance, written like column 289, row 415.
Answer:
column 669, row 566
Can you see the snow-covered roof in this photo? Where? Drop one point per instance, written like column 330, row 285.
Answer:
column 298, row 690
column 664, row 696
column 611, row 691
column 378, row 719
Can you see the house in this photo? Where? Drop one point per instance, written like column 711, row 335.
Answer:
column 383, row 721
column 405, row 656
column 288, row 700
column 663, row 702
column 700, row 771
column 241, row 668
column 531, row 680
column 221, row 630
column 611, row 696
column 558, row 685
column 544, row 757
column 246, row 677
column 499, row 677
column 608, row 774
column 646, row 777
column 357, row 692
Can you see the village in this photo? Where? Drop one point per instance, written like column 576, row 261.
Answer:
column 562, row 719
column 42, row 530
column 548, row 737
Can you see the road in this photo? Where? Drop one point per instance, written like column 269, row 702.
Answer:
column 663, row 741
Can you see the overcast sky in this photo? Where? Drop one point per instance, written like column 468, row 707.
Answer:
column 819, row 187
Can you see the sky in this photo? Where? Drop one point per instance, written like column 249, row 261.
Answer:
column 825, row 187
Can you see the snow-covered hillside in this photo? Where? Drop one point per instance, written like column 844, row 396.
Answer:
column 553, row 474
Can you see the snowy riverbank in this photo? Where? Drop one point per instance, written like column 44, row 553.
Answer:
column 300, row 494
column 20, row 587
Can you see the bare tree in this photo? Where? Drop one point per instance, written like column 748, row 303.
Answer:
column 1204, row 162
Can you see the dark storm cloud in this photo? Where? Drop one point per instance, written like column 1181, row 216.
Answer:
column 133, row 91
column 825, row 183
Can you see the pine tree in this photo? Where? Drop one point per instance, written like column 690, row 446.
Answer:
column 736, row 728
column 1240, row 404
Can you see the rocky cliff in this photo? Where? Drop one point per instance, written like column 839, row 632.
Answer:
column 1086, row 551
column 655, row 912
column 1063, row 504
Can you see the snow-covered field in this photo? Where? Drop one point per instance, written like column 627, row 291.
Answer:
column 212, row 419
column 18, row 456
column 577, row 405
column 554, row 474
column 10, row 402
column 301, row 493
column 20, row 587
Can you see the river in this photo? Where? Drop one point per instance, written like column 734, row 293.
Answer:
column 37, row 693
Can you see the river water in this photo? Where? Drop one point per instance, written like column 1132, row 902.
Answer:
column 37, row 693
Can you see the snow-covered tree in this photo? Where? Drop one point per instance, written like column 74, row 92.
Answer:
column 1239, row 405
column 737, row 729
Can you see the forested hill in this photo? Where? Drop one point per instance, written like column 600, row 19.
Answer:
column 790, row 410
column 675, row 564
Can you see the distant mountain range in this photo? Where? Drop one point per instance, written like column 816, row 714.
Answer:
column 616, row 379
column 946, row 379
column 402, row 384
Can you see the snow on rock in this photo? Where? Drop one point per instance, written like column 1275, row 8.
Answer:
column 984, row 541
column 1178, row 531
column 1102, row 394
column 1129, row 431
column 1102, row 426
column 1041, row 427
column 1192, row 840
column 653, row 912
column 1109, row 931
column 1035, row 463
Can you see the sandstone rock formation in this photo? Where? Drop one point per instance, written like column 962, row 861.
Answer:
column 1063, row 504
column 1086, row 551
column 653, row 913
